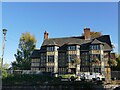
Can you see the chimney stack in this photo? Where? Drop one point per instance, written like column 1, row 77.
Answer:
column 87, row 33
column 45, row 35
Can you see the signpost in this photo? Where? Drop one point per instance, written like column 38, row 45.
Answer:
column 3, row 47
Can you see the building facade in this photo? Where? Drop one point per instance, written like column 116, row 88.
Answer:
column 74, row 54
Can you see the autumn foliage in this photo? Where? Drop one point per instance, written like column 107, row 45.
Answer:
column 27, row 43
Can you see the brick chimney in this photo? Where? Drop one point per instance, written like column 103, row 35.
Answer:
column 87, row 33
column 45, row 35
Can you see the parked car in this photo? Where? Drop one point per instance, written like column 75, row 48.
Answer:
column 92, row 76
column 69, row 76
column 55, row 74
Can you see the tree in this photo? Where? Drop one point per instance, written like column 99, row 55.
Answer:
column 112, row 62
column 4, row 69
column 94, row 34
column 75, row 61
column 27, row 44
column 117, row 68
column 95, row 62
column 6, row 66
column 115, row 63
column 0, row 61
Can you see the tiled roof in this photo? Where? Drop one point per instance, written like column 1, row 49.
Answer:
column 35, row 53
column 95, row 41
column 105, row 39
column 63, row 41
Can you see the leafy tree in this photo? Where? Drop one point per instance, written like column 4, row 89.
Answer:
column 75, row 60
column 27, row 44
column 117, row 68
column 4, row 73
column 6, row 66
column 4, row 69
column 94, row 34
column 95, row 62
column 112, row 62
column 0, row 61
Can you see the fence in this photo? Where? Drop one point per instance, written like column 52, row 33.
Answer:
column 24, row 72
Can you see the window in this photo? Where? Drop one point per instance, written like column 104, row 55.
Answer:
column 71, row 57
column 51, row 58
column 42, row 59
column 50, row 69
column 50, row 48
column 95, row 47
column 42, row 69
column 85, row 58
column 43, row 56
column 62, row 59
column 42, row 63
column 97, row 70
column 35, row 60
column 95, row 55
column 35, row 64
column 35, row 68
column 71, row 47
column 85, row 55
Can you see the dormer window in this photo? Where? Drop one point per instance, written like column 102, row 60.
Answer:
column 71, row 47
column 95, row 47
column 51, row 48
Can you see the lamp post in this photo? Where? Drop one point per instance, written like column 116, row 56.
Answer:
column 3, row 46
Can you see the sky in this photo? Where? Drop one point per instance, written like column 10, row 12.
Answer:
column 63, row 19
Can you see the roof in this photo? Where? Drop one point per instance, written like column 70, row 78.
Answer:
column 35, row 53
column 103, row 39
column 63, row 41
column 79, row 40
column 95, row 41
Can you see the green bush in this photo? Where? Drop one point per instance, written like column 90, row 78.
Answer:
column 28, row 79
column 4, row 73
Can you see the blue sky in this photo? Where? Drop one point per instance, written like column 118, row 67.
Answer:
column 59, row 19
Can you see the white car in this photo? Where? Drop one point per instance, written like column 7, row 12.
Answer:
column 92, row 76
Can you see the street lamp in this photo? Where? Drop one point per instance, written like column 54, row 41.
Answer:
column 3, row 46
column 4, row 31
